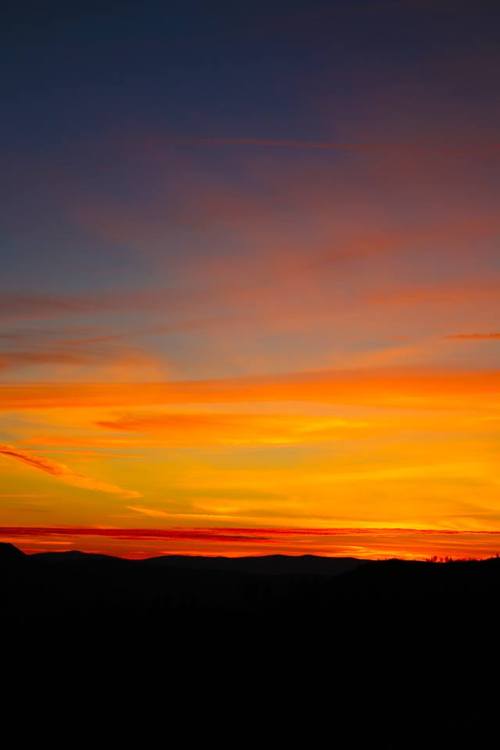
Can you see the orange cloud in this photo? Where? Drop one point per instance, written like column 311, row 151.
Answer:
column 432, row 294
column 64, row 473
column 403, row 387
column 237, row 429
column 474, row 336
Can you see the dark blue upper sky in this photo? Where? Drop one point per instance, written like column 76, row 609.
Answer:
column 161, row 145
column 224, row 69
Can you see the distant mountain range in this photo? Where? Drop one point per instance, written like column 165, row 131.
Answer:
column 268, row 564
column 50, row 583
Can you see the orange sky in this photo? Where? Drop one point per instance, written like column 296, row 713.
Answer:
column 370, row 462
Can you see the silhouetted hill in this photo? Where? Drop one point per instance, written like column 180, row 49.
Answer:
column 9, row 552
column 274, row 589
column 68, row 584
column 74, row 556
column 268, row 564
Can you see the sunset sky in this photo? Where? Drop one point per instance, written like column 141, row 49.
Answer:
column 250, row 277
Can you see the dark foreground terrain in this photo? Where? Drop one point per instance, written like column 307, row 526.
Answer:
column 407, row 649
column 329, row 595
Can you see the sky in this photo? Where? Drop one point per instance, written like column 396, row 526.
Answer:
column 250, row 277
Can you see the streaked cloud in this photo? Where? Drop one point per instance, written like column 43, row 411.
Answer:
column 40, row 305
column 456, row 293
column 238, row 429
column 63, row 472
column 415, row 147
column 369, row 543
column 383, row 386
column 19, row 359
column 474, row 336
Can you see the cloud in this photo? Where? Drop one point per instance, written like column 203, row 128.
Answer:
column 209, row 534
column 401, row 387
column 425, row 147
column 152, row 512
column 44, row 305
column 36, row 305
column 361, row 542
column 437, row 294
column 237, row 429
column 62, row 472
column 93, row 358
column 294, row 144
column 474, row 336
column 15, row 360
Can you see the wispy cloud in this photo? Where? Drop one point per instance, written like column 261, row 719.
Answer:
column 15, row 360
column 378, row 386
column 63, row 472
column 356, row 147
column 99, row 358
column 238, row 429
column 208, row 534
column 367, row 542
column 151, row 512
column 37, row 305
column 494, row 336
column 450, row 293
column 291, row 144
